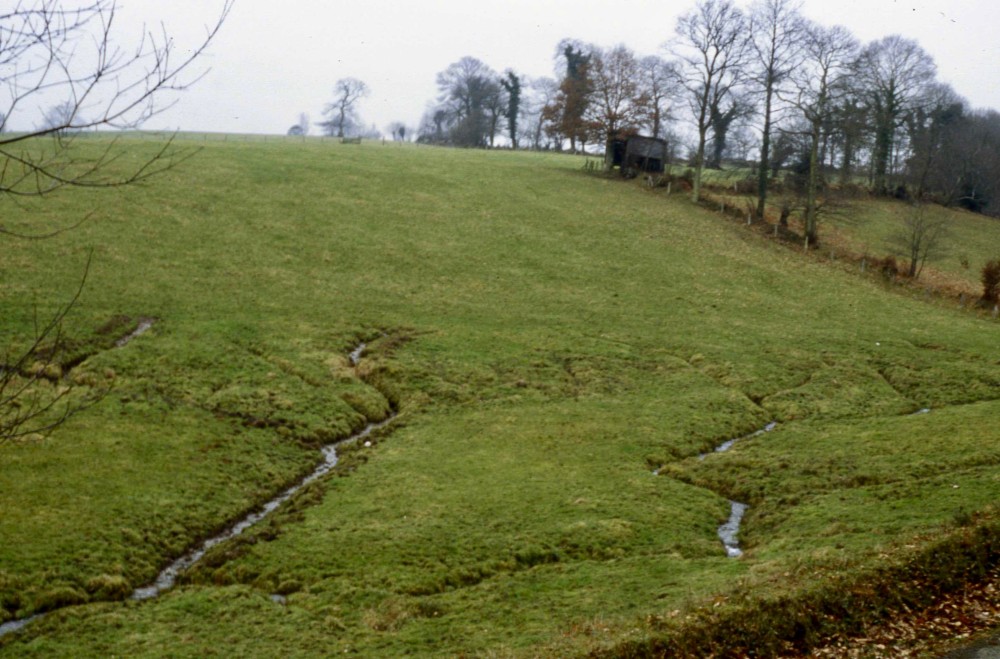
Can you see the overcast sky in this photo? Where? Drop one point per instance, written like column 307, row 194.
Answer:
column 274, row 60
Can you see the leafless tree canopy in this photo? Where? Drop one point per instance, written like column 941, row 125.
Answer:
column 895, row 74
column 470, row 105
column 65, row 57
column 713, row 48
column 920, row 237
column 618, row 103
column 820, row 84
column 343, row 111
column 661, row 84
column 776, row 44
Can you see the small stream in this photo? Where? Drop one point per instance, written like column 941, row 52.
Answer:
column 725, row 446
column 729, row 532
column 15, row 625
column 168, row 576
column 144, row 326
column 355, row 355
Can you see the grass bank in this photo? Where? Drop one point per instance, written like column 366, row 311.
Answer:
column 549, row 339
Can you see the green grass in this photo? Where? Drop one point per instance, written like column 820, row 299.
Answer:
column 549, row 339
column 970, row 242
column 871, row 227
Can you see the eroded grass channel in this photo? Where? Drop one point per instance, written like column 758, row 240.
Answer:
column 729, row 532
column 167, row 577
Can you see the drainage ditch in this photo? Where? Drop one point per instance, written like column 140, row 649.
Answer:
column 729, row 532
column 168, row 576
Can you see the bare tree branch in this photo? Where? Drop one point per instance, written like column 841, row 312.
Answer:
column 70, row 55
column 49, row 52
column 34, row 399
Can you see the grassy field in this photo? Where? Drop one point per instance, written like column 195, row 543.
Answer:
column 548, row 339
column 873, row 227
column 970, row 242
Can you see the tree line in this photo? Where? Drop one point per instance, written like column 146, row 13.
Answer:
column 762, row 86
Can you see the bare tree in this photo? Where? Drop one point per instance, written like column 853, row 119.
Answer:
column 432, row 126
column 821, row 84
column 343, row 111
column 49, row 51
column 713, row 47
column 920, row 237
column 895, row 74
column 469, row 101
column 777, row 31
column 660, row 85
column 851, row 130
column 617, row 103
column 398, row 131
column 541, row 93
column 496, row 104
column 58, row 117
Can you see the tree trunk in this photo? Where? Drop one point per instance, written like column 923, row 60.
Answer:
column 699, row 165
column 883, row 146
column 845, row 169
column 765, row 150
column 812, row 185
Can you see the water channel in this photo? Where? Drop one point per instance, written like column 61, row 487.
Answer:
column 168, row 576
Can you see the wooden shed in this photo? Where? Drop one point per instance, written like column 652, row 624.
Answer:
column 638, row 154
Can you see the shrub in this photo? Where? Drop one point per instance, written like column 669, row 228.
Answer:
column 991, row 281
column 887, row 267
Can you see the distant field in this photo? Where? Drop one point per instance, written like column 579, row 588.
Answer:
column 871, row 226
column 970, row 242
column 549, row 339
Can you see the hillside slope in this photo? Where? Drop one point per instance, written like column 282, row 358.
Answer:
column 560, row 349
